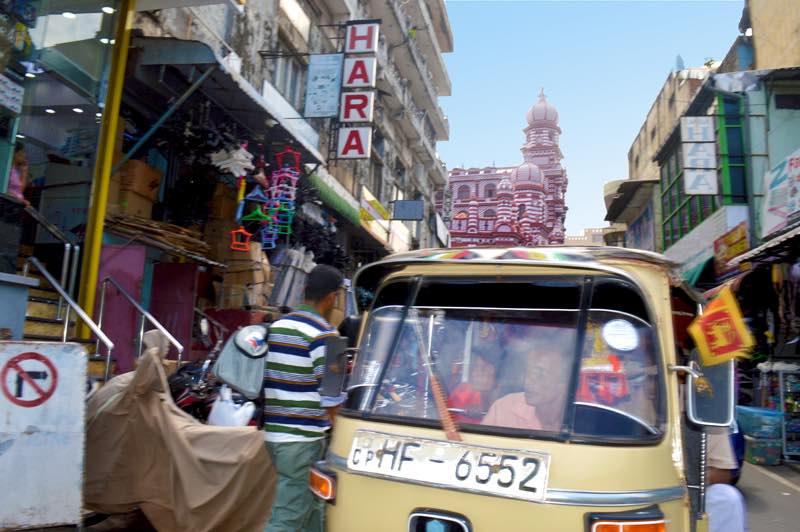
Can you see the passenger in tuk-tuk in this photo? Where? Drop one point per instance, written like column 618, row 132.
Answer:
column 540, row 406
column 470, row 400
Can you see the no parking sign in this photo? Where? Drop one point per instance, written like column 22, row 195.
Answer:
column 42, row 411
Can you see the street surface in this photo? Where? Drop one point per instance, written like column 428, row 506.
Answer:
column 773, row 497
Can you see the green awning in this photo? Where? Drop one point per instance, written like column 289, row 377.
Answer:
column 692, row 275
column 336, row 200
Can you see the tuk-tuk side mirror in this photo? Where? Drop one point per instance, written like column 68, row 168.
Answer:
column 709, row 397
column 333, row 379
column 349, row 328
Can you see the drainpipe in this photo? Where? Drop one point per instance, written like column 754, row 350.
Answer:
column 105, row 158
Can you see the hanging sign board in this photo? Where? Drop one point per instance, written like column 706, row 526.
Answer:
column 358, row 106
column 729, row 246
column 374, row 216
column 324, row 85
column 360, row 72
column 354, row 143
column 781, row 195
column 699, row 155
column 11, row 94
column 42, row 397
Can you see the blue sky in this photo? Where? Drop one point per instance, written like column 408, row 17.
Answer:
column 601, row 64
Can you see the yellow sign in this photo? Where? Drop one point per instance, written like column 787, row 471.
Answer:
column 374, row 216
column 720, row 333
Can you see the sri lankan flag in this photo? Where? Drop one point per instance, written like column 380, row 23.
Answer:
column 720, row 333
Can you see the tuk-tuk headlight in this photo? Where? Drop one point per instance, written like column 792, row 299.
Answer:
column 322, row 482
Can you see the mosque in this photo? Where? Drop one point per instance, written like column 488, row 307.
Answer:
column 512, row 206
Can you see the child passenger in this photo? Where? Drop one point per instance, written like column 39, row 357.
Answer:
column 470, row 400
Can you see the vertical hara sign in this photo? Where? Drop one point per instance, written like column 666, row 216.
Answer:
column 357, row 103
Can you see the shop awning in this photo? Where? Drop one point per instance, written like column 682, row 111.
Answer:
column 692, row 275
column 772, row 247
column 150, row 5
column 335, row 196
column 631, row 196
column 225, row 88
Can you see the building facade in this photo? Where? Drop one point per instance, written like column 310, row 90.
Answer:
column 634, row 201
column 512, row 206
column 590, row 237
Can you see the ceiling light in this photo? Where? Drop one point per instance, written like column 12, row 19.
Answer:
column 108, row 10
column 104, row 40
column 30, row 75
column 113, row 41
column 50, row 111
column 77, row 110
column 68, row 14
column 20, row 136
column 99, row 115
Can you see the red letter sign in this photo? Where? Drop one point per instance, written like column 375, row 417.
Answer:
column 361, row 38
column 357, row 107
column 359, row 72
column 354, row 143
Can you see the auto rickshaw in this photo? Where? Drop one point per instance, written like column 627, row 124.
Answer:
column 473, row 399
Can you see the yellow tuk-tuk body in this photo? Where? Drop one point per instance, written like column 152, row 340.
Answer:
column 581, row 482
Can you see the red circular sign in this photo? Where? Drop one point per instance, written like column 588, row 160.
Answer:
column 27, row 378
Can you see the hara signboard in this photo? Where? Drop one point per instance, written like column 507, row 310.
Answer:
column 699, row 152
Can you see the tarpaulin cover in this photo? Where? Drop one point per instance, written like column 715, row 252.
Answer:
column 143, row 451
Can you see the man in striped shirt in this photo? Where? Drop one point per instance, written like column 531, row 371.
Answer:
column 295, row 420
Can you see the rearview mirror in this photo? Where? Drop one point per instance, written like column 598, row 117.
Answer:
column 335, row 367
column 709, row 401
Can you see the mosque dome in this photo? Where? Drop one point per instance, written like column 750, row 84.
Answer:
column 504, row 186
column 542, row 112
column 527, row 175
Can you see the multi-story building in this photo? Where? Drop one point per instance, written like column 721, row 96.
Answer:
column 634, row 201
column 269, row 44
column 509, row 206
column 775, row 29
column 590, row 237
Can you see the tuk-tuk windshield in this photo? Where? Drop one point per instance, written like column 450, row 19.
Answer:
column 514, row 369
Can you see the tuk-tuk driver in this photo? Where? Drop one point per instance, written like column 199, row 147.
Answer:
column 540, row 406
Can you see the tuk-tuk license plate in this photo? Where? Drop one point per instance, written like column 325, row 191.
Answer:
column 503, row 472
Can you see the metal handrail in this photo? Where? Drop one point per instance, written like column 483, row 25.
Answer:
column 144, row 315
column 71, row 304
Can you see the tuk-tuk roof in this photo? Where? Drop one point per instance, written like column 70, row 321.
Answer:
column 531, row 255
column 590, row 257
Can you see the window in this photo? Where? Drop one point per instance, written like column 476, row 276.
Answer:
column 463, row 192
column 290, row 76
column 787, row 101
column 504, row 368
column 490, row 191
column 489, row 213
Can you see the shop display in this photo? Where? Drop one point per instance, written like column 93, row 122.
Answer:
column 171, row 235
column 790, row 401
column 761, row 423
column 763, row 451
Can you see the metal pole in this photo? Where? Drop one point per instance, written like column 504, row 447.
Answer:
column 64, row 273
column 108, row 365
column 101, row 312
column 73, row 273
column 104, row 162
column 65, row 334
column 141, row 336
column 160, row 122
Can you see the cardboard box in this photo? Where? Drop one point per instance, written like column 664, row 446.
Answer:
column 132, row 203
column 223, row 204
column 141, row 178
column 243, row 277
column 238, row 297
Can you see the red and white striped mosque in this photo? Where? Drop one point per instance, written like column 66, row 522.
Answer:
column 512, row 206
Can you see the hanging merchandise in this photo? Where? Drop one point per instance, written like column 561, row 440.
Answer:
column 240, row 239
column 237, row 162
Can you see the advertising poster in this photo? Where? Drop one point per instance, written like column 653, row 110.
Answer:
column 324, row 85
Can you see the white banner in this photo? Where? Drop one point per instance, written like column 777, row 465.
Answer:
column 324, row 85
column 781, row 195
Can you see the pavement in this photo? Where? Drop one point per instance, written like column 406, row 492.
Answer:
column 772, row 494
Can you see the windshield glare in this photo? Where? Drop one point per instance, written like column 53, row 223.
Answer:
column 512, row 370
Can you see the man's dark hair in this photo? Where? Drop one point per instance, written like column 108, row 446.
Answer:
column 322, row 281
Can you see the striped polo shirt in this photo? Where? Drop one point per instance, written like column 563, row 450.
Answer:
column 295, row 362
